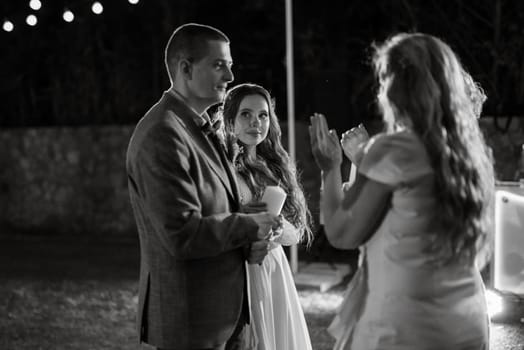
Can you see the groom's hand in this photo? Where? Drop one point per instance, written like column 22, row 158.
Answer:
column 253, row 207
column 266, row 222
column 258, row 252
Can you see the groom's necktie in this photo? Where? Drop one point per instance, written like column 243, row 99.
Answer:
column 210, row 130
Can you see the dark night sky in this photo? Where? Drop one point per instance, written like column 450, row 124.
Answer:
column 108, row 69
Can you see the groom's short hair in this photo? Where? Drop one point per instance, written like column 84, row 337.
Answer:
column 189, row 41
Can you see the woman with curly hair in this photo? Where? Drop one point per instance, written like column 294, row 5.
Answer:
column 253, row 139
column 419, row 209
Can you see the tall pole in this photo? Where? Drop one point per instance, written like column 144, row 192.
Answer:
column 290, row 104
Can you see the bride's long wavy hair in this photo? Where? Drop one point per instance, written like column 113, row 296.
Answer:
column 423, row 85
column 272, row 165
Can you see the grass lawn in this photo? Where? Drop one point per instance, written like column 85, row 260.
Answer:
column 94, row 314
column 58, row 293
column 78, row 293
column 67, row 315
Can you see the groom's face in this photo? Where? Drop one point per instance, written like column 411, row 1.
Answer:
column 211, row 74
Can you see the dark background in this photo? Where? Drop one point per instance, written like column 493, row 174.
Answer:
column 108, row 69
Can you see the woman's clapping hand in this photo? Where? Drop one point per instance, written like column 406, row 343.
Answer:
column 324, row 143
column 352, row 142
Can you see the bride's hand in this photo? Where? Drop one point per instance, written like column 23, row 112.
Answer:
column 278, row 230
column 324, row 143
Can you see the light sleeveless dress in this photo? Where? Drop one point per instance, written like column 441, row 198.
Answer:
column 396, row 300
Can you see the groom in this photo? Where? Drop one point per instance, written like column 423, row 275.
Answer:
column 192, row 289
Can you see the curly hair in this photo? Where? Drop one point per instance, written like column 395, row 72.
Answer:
column 423, row 85
column 272, row 165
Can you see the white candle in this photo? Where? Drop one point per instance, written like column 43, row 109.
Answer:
column 274, row 197
column 352, row 174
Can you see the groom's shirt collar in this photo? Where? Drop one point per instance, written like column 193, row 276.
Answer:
column 200, row 120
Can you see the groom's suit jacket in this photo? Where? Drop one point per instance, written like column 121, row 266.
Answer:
column 184, row 198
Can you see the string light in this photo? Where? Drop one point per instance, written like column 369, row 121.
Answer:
column 68, row 16
column 97, row 8
column 8, row 26
column 31, row 20
column 35, row 4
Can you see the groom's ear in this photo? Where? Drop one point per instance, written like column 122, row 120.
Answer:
column 186, row 68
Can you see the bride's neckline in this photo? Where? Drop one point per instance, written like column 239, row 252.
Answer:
column 243, row 190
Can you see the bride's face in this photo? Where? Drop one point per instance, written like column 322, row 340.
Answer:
column 252, row 120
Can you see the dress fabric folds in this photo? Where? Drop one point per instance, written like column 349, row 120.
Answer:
column 398, row 299
column 277, row 319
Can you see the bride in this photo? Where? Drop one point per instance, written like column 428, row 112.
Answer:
column 253, row 135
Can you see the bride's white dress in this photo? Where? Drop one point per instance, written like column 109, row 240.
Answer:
column 277, row 320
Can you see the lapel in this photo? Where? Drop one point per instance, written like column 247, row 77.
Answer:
column 216, row 158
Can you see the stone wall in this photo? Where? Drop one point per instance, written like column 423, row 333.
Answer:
column 65, row 180
column 73, row 180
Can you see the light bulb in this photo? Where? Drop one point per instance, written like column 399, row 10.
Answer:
column 97, row 8
column 35, row 4
column 68, row 16
column 133, row 2
column 8, row 26
column 31, row 20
